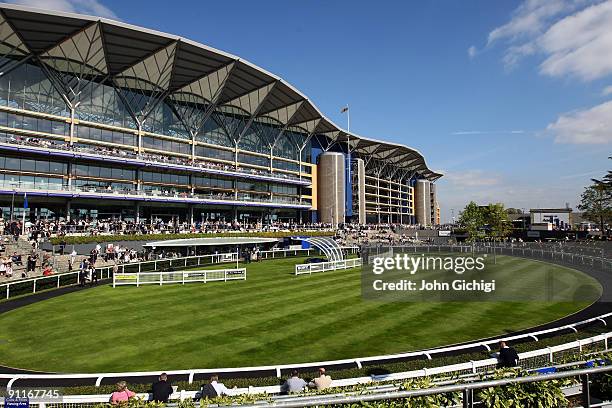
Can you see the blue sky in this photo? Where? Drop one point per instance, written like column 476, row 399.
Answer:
column 507, row 99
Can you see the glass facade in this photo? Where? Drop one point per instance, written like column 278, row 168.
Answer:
column 105, row 135
column 27, row 87
column 164, row 178
column 149, row 142
column 169, row 122
column 116, row 173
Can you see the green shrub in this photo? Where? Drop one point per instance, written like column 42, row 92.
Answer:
column 541, row 394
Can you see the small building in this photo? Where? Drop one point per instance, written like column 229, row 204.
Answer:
column 557, row 218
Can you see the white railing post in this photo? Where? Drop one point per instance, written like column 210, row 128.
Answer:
column 161, row 278
column 34, row 286
column 58, row 281
column 137, row 279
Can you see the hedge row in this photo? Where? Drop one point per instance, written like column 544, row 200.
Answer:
column 88, row 239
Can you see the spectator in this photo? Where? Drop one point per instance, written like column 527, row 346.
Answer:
column 122, row 394
column 31, row 266
column 294, row 384
column 162, row 389
column 9, row 269
column 94, row 275
column 48, row 271
column 508, row 357
column 16, row 259
column 322, row 382
column 214, row 388
column 83, row 272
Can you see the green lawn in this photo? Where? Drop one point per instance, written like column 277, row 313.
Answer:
column 273, row 317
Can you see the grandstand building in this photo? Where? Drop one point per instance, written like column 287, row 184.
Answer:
column 103, row 119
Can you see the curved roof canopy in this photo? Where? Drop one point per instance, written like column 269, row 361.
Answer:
column 150, row 61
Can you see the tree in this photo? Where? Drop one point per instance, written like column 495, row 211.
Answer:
column 606, row 180
column 596, row 201
column 496, row 217
column 596, row 204
column 471, row 218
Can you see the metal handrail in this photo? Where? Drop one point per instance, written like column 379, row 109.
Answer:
column 383, row 390
column 464, row 388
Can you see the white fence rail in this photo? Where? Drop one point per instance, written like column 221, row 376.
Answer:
column 161, row 278
column 548, row 354
column 310, row 268
column 105, row 272
column 564, row 255
column 284, row 253
column 72, row 278
column 531, row 360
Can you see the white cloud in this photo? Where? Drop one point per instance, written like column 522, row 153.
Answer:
column 607, row 91
column 472, row 51
column 471, row 178
column 580, row 44
column 91, row 7
column 530, row 18
column 585, row 126
column 573, row 36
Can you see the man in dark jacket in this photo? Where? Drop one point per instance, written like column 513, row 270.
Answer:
column 508, row 357
column 162, row 389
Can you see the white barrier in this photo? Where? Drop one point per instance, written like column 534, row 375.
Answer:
column 285, row 253
column 309, row 268
column 106, row 271
column 530, row 360
column 161, row 278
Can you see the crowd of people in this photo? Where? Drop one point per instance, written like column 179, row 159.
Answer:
column 114, row 226
column 161, row 390
column 151, row 157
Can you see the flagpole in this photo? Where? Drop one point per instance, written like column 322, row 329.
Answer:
column 348, row 143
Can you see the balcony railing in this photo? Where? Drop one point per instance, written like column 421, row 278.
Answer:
column 171, row 195
column 149, row 158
